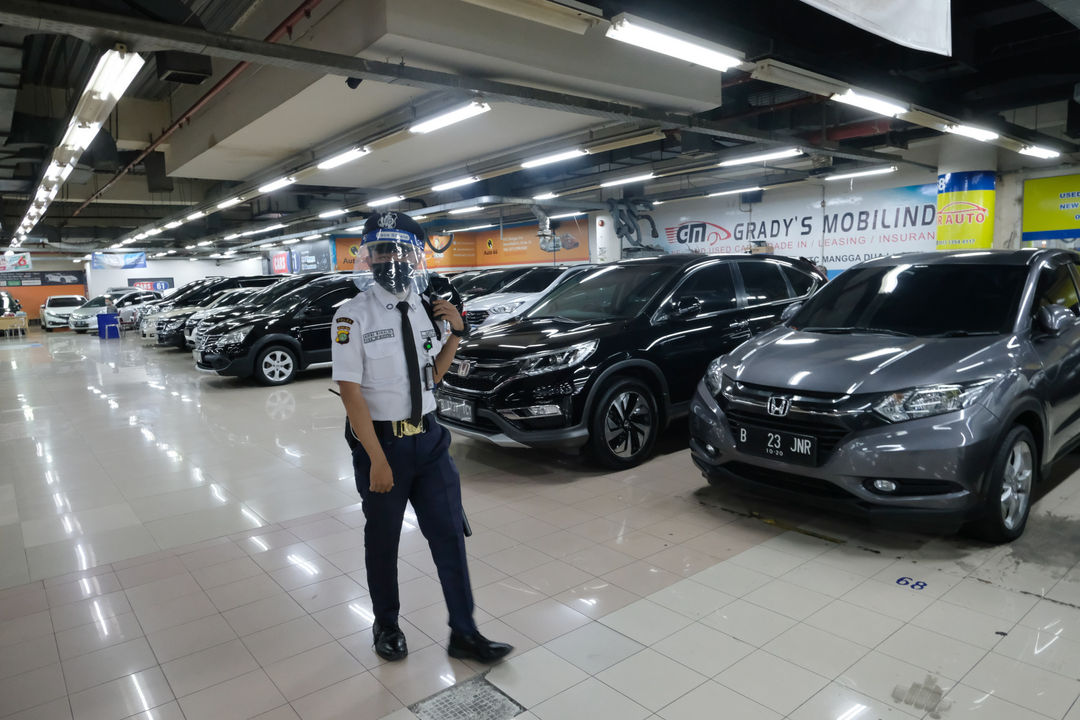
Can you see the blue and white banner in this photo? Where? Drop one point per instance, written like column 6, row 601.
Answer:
column 101, row 261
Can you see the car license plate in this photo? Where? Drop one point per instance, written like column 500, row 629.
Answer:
column 776, row 444
column 455, row 409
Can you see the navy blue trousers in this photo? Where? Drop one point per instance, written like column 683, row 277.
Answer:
column 425, row 475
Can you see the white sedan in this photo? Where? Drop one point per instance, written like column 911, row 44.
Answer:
column 518, row 295
column 57, row 309
column 85, row 317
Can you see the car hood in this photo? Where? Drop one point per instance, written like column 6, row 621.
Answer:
column 88, row 312
column 60, row 310
column 177, row 311
column 867, row 363
column 486, row 302
column 512, row 340
column 242, row 320
column 222, row 310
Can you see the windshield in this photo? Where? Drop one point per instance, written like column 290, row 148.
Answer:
column 921, row 300
column 605, row 293
column 229, row 297
column 484, row 282
column 66, row 302
column 188, row 291
column 534, row 280
column 458, row 280
column 270, row 293
column 290, row 301
column 99, row 301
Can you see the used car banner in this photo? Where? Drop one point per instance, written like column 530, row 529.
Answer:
column 55, row 277
column 101, row 261
column 851, row 227
column 966, row 210
column 15, row 262
column 920, row 24
column 1052, row 208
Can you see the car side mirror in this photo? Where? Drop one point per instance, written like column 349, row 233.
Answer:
column 1053, row 319
column 686, row 307
column 790, row 311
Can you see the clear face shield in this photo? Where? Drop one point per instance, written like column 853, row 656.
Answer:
column 396, row 264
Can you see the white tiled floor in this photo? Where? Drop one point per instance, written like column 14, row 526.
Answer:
column 177, row 546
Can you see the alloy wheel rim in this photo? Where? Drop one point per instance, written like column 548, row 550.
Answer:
column 1016, row 485
column 277, row 365
column 627, row 424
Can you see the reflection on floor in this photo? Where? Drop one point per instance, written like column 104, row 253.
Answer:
column 177, row 545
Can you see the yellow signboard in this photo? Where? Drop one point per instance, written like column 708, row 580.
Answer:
column 1052, row 208
column 965, row 210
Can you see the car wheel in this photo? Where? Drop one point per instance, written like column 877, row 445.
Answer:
column 276, row 366
column 80, row 331
column 624, row 425
column 1008, row 492
column 46, row 328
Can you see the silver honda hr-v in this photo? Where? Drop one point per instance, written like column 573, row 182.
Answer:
column 941, row 384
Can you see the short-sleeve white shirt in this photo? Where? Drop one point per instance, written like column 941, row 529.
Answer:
column 368, row 350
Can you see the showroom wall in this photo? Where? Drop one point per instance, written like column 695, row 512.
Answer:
column 30, row 287
column 182, row 271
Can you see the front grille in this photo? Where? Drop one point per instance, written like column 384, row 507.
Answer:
column 789, row 482
column 477, row 317
column 482, row 375
column 828, row 431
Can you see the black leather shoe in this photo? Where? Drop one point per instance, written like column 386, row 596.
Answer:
column 476, row 647
column 390, row 642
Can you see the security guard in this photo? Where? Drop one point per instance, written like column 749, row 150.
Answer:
column 391, row 346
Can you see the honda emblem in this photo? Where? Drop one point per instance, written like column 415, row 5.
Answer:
column 779, row 405
column 464, row 368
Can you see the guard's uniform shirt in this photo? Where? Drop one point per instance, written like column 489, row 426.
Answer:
column 368, row 350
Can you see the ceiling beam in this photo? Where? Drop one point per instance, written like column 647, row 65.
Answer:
column 145, row 35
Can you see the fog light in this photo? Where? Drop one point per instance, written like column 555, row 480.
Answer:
column 885, row 486
column 710, row 449
column 533, row 411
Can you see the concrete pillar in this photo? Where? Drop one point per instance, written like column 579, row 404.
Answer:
column 967, row 184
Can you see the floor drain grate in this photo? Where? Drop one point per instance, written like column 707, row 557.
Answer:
column 474, row 699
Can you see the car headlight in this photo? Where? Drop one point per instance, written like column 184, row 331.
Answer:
column 236, row 336
column 930, row 400
column 560, row 359
column 714, row 376
column 506, row 307
column 174, row 325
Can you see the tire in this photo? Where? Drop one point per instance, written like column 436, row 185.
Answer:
column 1007, row 503
column 624, row 425
column 80, row 331
column 46, row 328
column 276, row 365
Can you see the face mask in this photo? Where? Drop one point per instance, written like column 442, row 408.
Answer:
column 393, row 276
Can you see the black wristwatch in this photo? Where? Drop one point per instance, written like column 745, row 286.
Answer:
column 463, row 333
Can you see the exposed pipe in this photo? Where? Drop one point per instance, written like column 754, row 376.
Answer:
column 285, row 27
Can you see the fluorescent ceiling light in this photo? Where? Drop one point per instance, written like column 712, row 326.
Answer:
column 388, row 200
column 229, row 203
column 114, row 247
column 58, row 172
column 1039, row 152
column 277, row 184
column 556, row 157
column 293, row 241
column 346, row 157
column 155, row 231
column 474, row 227
column 863, row 173
column 455, row 183
column 171, row 252
column 658, row 38
column 260, row 231
column 733, row 192
column 193, row 259
column 355, row 228
column 114, row 72
column 546, row 196
column 316, row 236
column 141, row 236
column 449, row 118
column 624, row 181
column 195, row 215
column 268, row 244
column 566, row 215
column 173, row 224
column 873, row 104
column 128, row 241
column 466, row 210
column 80, row 135
column 228, row 253
column 189, row 247
column 204, row 243
column 234, row 236
column 762, row 157
column 418, row 217
column 972, row 132
column 333, row 213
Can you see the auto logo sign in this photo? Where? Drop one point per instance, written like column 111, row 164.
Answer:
column 697, row 233
column 962, row 212
column 779, row 406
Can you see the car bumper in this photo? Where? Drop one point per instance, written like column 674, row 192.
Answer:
column 939, row 463
column 54, row 322
column 83, row 323
column 224, row 364
column 174, row 338
column 492, row 427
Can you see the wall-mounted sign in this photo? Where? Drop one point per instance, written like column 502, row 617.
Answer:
column 158, row 284
column 1052, row 208
column 102, row 261
column 965, row 210
column 279, row 263
column 34, row 279
column 15, row 262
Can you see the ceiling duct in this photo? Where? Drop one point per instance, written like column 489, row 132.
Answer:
column 567, row 15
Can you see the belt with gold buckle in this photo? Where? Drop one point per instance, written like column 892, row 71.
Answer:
column 404, row 428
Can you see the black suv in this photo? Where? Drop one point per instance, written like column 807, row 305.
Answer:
column 486, row 282
column 170, row 322
column 201, row 322
column 611, row 356
column 288, row 335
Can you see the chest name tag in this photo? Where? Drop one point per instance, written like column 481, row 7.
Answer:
column 378, row 335
column 427, row 334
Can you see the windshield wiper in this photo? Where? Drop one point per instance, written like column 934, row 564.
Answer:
column 962, row 333
column 856, row 329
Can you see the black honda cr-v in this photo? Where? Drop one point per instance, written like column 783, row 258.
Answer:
column 288, row 335
column 608, row 358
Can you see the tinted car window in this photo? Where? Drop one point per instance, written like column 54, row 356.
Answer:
column 328, row 303
column 919, row 300
column 484, row 282
column 802, row 283
column 301, row 296
column 763, row 282
column 713, row 286
column 615, row 291
column 533, row 281
column 1056, row 287
column 65, row 302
